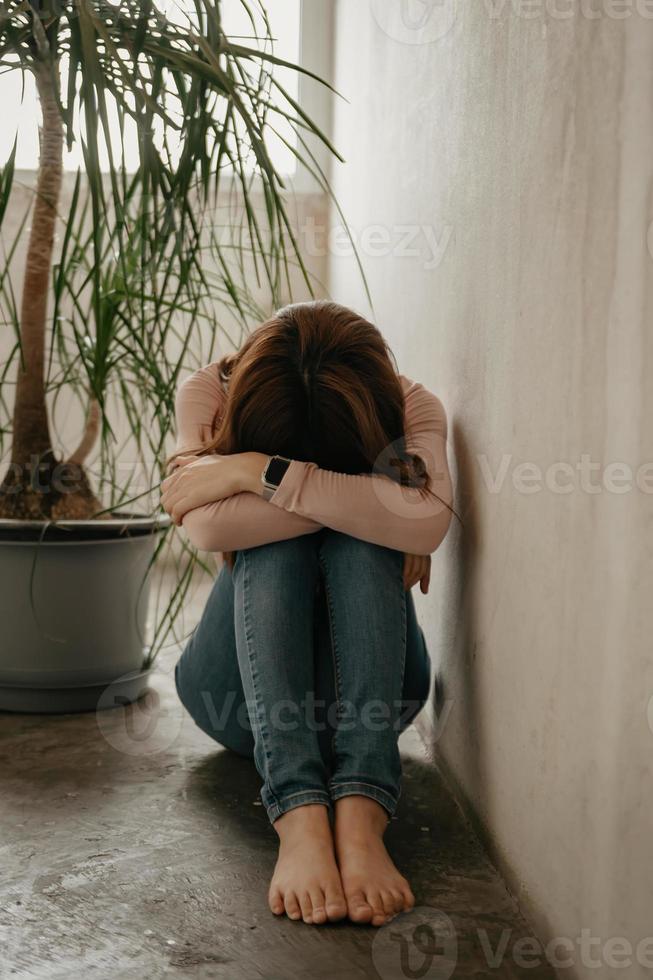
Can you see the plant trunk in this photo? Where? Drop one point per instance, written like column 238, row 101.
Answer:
column 37, row 485
column 31, row 432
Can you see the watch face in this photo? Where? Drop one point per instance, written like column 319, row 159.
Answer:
column 276, row 470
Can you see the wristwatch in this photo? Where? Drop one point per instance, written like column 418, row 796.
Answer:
column 273, row 473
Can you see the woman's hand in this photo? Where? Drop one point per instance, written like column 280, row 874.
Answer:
column 200, row 480
column 417, row 568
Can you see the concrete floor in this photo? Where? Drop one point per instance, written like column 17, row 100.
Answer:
column 133, row 847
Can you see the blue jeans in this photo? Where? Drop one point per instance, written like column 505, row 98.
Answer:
column 309, row 658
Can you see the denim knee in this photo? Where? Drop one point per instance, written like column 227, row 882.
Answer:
column 278, row 555
column 367, row 560
column 364, row 550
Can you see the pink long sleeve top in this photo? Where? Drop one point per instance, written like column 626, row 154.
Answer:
column 370, row 507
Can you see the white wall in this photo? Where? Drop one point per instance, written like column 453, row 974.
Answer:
column 523, row 146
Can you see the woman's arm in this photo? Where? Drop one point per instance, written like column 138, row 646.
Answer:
column 376, row 508
column 243, row 520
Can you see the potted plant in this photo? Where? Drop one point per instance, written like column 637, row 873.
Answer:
column 125, row 277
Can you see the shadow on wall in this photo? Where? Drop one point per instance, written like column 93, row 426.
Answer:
column 458, row 707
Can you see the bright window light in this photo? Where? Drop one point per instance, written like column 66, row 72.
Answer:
column 21, row 115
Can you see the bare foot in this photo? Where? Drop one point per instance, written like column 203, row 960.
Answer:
column 306, row 882
column 374, row 889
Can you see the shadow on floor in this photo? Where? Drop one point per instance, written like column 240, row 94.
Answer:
column 155, row 863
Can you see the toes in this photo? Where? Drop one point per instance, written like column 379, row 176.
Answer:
column 293, row 911
column 378, row 913
column 336, row 906
column 409, row 898
column 319, row 913
column 358, row 908
column 306, row 907
column 275, row 901
column 399, row 900
column 389, row 904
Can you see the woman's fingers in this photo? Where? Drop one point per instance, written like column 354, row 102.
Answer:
column 182, row 460
column 408, row 571
column 172, row 481
column 176, row 465
column 417, row 568
column 425, row 580
column 175, row 498
column 178, row 502
column 411, row 571
column 185, row 459
column 167, row 484
column 170, row 501
column 198, row 481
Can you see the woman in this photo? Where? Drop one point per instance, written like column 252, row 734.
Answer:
column 321, row 475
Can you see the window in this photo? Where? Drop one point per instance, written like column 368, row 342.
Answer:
column 21, row 116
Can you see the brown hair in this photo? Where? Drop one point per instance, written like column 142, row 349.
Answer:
column 317, row 382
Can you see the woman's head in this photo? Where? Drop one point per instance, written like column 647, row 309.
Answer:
column 316, row 382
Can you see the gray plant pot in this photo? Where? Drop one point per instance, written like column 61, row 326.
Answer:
column 73, row 608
